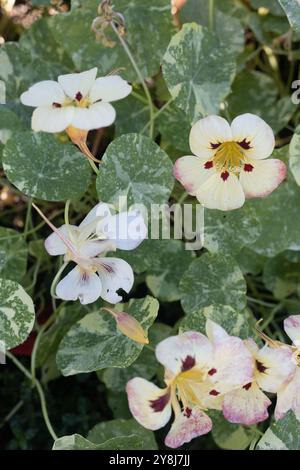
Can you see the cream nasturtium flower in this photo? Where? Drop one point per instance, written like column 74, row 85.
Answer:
column 288, row 396
column 273, row 368
column 76, row 100
column 96, row 275
column 198, row 371
column 229, row 162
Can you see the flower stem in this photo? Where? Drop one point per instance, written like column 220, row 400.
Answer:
column 40, row 391
column 155, row 116
column 140, row 77
column 55, row 280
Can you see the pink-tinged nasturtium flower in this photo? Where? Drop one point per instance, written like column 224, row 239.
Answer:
column 230, row 163
column 198, row 371
column 77, row 103
column 96, row 275
column 273, row 367
column 288, row 396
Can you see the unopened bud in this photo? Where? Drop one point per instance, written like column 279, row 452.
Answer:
column 129, row 326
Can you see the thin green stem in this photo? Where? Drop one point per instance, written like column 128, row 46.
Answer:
column 159, row 112
column 40, row 391
column 211, row 14
column 139, row 97
column 260, row 302
column 140, row 77
column 55, row 280
column 94, row 167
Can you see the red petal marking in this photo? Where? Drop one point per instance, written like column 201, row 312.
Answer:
column 248, row 167
column 225, row 175
column 245, row 144
column 208, row 165
column 212, row 371
column 78, row 96
column 187, row 412
column 260, row 367
column 247, row 386
column 214, row 393
column 188, row 363
column 215, row 146
column 160, row 403
column 56, row 105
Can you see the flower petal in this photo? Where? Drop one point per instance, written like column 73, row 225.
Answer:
column 288, row 397
column 215, row 332
column 53, row 120
column 73, row 83
column 220, row 193
column 256, row 132
column 149, row 404
column 115, row 274
column 78, row 284
column 183, row 352
column 109, row 89
column 54, row 245
column 101, row 210
column 96, row 116
column 233, row 364
column 126, row 229
column 274, row 368
column 292, row 328
column 205, row 132
column 43, row 94
column 187, row 426
column 260, row 178
column 247, row 405
column 192, row 172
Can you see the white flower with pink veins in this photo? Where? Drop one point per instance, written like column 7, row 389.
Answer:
column 96, row 275
column 229, row 163
column 76, row 100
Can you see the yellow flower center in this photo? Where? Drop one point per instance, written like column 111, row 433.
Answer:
column 186, row 384
column 229, row 156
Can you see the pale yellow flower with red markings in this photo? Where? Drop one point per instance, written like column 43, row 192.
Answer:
column 199, row 370
column 230, row 162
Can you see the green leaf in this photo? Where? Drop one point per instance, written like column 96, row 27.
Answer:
column 230, row 231
column 148, row 32
column 282, row 435
column 250, row 262
column 281, row 276
column 13, row 254
column 198, row 70
column 229, row 436
column 145, row 366
column 50, row 340
column 175, row 127
column 294, row 155
column 255, row 92
column 292, row 10
column 9, row 124
column 136, row 167
column 235, row 323
column 95, row 343
column 227, row 28
column 279, row 218
column 166, row 270
column 41, row 43
column 77, row 442
column 121, row 428
column 212, row 279
column 41, row 167
column 16, row 313
column 132, row 115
